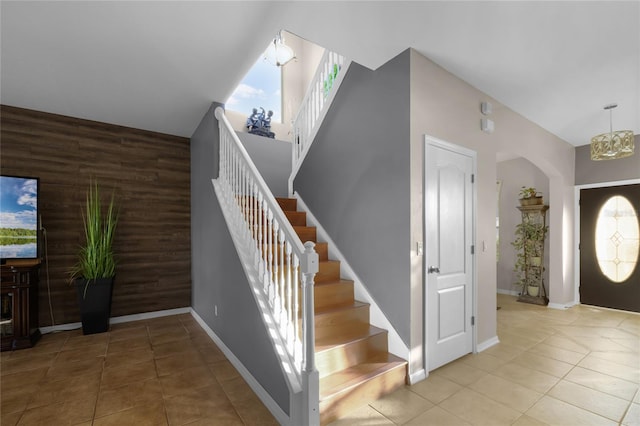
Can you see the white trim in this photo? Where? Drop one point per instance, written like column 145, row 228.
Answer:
column 560, row 306
column 119, row 320
column 483, row 346
column 508, row 292
column 377, row 317
column 418, row 376
column 264, row 396
column 458, row 149
column 576, row 229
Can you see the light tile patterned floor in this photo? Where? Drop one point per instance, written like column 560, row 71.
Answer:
column 580, row 366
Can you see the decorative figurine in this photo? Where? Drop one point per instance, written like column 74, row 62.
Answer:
column 259, row 124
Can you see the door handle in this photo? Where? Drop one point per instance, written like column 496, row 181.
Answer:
column 433, row 269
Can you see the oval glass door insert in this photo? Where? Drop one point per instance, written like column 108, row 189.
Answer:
column 617, row 236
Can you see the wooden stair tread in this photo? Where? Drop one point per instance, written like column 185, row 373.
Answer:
column 340, row 281
column 332, row 309
column 346, row 337
column 347, row 379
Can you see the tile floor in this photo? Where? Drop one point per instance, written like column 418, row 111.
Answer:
column 580, row 366
column 164, row 371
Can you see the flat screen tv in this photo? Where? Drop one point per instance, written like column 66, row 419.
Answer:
column 18, row 217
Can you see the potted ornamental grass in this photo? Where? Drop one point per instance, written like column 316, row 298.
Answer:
column 95, row 270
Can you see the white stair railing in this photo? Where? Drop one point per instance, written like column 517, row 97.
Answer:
column 320, row 94
column 277, row 265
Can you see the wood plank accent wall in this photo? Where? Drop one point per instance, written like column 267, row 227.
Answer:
column 151, row 176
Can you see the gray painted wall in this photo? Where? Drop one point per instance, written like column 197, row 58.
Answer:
column 588, row 171
column 355, row 180
column 218, row 277
column 272, row 158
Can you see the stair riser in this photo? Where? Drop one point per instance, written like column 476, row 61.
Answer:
column 327, row 272
column 350, row 354
column 306, row 233
column 350, row 399
column 351, row 321
column 323, row 251
column 296, row 218
column 355, row 316
column 333, row 294
column 290, row 204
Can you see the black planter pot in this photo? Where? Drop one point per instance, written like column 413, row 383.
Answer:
column 95, row 304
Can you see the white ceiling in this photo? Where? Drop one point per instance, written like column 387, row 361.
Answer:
column 158, row 65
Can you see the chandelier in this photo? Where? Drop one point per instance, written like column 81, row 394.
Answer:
column 278, row 53
column 612, row 145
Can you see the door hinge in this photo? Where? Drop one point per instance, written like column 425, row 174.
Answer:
column 473, row 320
column 473, row 249
column 473, row 178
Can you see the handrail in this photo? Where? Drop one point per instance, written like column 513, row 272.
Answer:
column 277, row 261
column 315, row 104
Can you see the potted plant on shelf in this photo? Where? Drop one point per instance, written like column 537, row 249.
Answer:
column 529, row 243
column 95, row 270
column 530, row 197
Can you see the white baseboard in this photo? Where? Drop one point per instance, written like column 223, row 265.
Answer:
column 377, row 317
column 264, row 396
column 487, row 344
column 118, row 320
column 417, row 376
column 561, row 306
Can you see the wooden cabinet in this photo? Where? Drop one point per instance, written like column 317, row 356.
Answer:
column 531, row 234
column 19, row 306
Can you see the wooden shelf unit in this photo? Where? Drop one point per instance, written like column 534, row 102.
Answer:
column 534, row 270
column 19, row 306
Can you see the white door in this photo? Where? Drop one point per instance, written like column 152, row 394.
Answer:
column 449, row 213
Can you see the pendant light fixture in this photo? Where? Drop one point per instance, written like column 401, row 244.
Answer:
column 612, row 145
column 278, row 53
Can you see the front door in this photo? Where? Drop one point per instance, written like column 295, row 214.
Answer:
column 449, row 213
column 609, row 247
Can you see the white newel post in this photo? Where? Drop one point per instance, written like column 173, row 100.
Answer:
column 310, row 377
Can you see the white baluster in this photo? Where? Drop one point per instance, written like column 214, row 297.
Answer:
column 293, row 314
column 272, row 290
column 283, row 285
column 296, row 282
column 275, row 271
column 265, row 242
column 260, row 238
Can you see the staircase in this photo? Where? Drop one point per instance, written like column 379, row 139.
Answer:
column 352, row 356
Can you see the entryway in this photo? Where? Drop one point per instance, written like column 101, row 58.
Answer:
column 449, row 264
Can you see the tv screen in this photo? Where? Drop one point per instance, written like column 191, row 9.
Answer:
column 18, row 217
